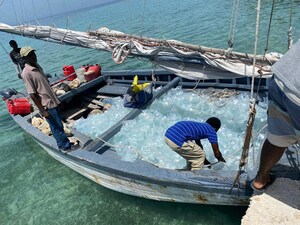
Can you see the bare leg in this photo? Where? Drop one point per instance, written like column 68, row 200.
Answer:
column 270, row 155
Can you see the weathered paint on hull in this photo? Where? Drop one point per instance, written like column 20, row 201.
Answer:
column 148, row 190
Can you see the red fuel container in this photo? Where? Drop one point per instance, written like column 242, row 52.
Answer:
column 93, row 72
column 68, row 70
column 18, row 106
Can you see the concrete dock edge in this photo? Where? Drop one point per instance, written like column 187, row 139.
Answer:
column 279, row 204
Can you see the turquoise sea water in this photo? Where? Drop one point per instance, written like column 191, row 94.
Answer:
column 36, row 189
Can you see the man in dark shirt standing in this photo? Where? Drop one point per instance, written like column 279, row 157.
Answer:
column 16, row 57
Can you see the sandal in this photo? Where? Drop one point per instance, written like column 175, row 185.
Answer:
column 264, row 188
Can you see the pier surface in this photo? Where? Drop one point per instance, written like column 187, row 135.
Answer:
column 279, row 204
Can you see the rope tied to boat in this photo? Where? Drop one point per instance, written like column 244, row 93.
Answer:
column 245, row 149
column 245, row 152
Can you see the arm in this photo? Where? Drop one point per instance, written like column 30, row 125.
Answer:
column 18, row 70
column 217, row 153
column 38, row 103
column 16, row 64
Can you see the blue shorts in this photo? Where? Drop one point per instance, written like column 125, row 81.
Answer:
column 283, row 118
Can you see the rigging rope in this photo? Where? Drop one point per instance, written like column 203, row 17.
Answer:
column 24, row 15
column 250, row 122
column 34, row 12
column 269, row 28
column 17, row 18
column 143, row 17
column 233, row 20
column 290, row 40
column 49, row 8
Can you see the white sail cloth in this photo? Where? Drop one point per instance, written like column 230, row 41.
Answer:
column 189, row 61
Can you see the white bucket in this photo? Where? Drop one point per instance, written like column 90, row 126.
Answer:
column 80, row 74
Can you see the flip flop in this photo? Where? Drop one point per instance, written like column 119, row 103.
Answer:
column 264, row 188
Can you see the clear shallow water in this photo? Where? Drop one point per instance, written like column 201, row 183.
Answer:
column 36, row 189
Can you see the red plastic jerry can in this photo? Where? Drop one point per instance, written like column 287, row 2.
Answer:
column 68, row 70
column 93, row 72
column 18, row 106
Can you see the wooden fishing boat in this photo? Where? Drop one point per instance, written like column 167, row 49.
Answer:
column 99, row 162
column 186, row 65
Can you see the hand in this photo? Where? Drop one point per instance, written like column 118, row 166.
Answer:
column 61, row 106
column 48, row 75
column 45, row 114
column 221, row 159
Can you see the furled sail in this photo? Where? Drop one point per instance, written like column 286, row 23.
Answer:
column 186, row 60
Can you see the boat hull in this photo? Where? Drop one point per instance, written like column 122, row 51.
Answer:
column 140, row 188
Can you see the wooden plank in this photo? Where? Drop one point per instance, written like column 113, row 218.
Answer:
column 87, row 102
column 92, row 106
column 97, row 96
column 77, row 114
column 102, row 96
column 94, row 101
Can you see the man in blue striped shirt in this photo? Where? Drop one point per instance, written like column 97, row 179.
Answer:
column 184, row 138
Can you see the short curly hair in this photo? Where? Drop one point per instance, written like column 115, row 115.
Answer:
column 12, row 42
column 214, row 122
